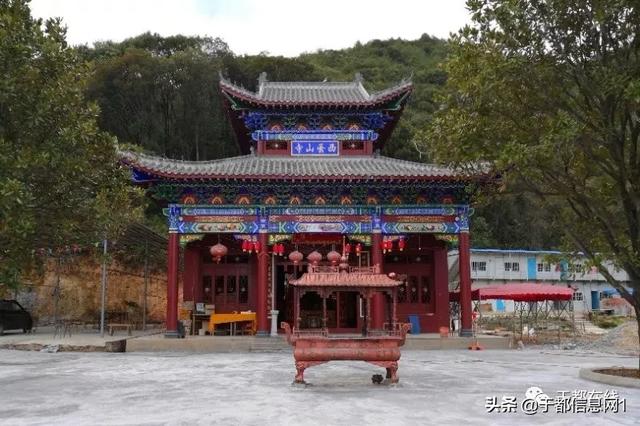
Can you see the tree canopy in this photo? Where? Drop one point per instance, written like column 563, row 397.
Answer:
column 60, row 183
column 549, row 93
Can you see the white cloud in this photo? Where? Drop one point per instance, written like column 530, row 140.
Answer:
column 283, row 27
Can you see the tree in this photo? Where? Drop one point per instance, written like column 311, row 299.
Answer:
column 548, row 92
column 60, row 182
column 168, row 104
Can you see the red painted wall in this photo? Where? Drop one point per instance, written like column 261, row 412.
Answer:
column 434, row 314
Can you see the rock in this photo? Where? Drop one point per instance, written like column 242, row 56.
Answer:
column 116, row 346
column 50, row 348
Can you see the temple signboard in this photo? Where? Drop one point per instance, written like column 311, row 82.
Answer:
column 319, row 148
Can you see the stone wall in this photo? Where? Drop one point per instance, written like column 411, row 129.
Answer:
column 80, row 290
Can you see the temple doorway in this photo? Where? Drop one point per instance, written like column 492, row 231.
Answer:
column 342, row 311
column 348, row 304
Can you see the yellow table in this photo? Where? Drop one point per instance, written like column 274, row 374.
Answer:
column 231, row 319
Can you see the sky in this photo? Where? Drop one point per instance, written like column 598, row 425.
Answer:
column 279, row 27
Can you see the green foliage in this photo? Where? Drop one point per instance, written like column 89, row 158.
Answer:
column 383, row 63
column 547, row 92
column 607, row 321
column 60, row 183
column 514, row 221
column 162, row 93
column 163, row 103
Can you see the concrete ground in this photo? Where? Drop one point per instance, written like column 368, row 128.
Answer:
column 79, row 338
column 208, row 344
column 436, row 387
column 153, row 340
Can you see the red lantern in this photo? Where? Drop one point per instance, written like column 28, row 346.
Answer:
column 296, row 257
column 314, row 257
column 344, row 263
column 358, row 249
column 333, row 257
column 401, row 244
column 245, row 246
column 347, row 248
column 257, row 247
column 218, row 251
column 281, row 249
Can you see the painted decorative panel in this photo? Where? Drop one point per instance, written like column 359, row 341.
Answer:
column 391, row 220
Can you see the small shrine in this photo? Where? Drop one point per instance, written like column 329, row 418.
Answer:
column 380, row 347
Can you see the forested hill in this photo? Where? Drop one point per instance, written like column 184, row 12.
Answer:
column 161, row 94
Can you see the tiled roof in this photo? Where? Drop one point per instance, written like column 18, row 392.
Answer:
column 285, row 168
column 344, row 279
column 315, row 93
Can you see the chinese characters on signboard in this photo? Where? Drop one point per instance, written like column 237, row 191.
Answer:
column 318, row 148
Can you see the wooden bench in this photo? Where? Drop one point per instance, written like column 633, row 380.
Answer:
column 113, row 327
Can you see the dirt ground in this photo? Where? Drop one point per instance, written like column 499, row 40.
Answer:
column 621, row 340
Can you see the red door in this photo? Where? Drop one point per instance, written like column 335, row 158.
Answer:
column 231, row 290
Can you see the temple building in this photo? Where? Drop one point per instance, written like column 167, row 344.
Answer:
column 309, row 188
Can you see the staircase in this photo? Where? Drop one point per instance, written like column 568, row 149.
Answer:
column 269, row 345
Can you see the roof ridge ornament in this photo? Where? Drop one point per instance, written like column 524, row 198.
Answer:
column 358, row 78
column 262, row 78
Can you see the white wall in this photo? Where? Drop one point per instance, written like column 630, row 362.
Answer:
column 496, row 270
column 584, row 281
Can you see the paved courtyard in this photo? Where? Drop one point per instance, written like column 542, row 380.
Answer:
column 436, row 387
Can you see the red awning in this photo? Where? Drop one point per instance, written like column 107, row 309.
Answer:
column 519, row 292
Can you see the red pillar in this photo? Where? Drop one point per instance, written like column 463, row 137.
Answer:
column 465, row 283
column 192, row 287
column 263, row 271
column 173, row 251
column 377, row 300
column 441, row 289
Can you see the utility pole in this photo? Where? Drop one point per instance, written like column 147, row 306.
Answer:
column 146, row 284
column 104, row 286
column 57, row 290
